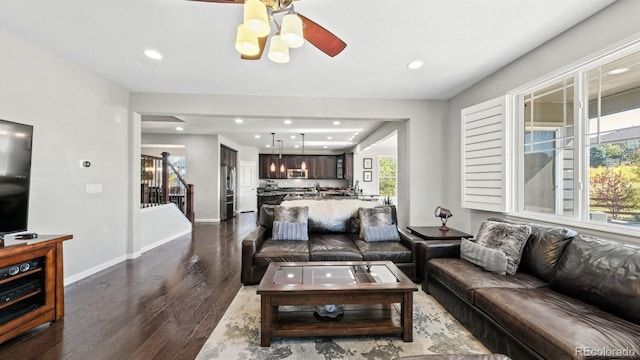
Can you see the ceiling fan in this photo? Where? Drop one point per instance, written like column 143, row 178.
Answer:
column 252, row 35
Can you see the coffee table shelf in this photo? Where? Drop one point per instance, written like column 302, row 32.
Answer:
column 368, row 290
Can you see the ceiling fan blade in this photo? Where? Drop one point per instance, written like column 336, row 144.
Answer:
column 321, row 38
column 262, row 42
column 222, row 1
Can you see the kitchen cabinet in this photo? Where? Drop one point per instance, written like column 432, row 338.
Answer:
column 348, row 168
column 326, row 167
column 318, row 166
column 228, row 156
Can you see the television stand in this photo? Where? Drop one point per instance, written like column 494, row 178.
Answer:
column 31, row 283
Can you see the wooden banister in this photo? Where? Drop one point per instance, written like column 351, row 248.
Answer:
column 155, row 187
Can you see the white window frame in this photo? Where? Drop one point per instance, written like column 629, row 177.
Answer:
column 579, row 72
column 388, row 177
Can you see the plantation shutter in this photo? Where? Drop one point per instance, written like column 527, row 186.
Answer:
column 485, row 175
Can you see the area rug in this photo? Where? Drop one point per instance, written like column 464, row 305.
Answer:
column 435, row 331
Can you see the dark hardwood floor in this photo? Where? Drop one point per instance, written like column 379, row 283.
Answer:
column 162, row 305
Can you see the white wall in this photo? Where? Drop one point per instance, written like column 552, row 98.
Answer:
column 161, row 224
column 374, row 152
column 202, row 160
column 610, row 26
column 419, row 190
column 76, row 115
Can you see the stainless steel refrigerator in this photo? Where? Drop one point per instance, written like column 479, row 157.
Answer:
column 227, row 192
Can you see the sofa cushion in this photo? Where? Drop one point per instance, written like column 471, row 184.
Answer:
column 374, row 217
column 555, row 325
column 282, row 251
column 384, row 250
column 488, row 259
column 508, row 238
column 543, row 250
column 290, row 231
column 333, row 247
column 602, row 273
column 464, row 278
column 381, row 233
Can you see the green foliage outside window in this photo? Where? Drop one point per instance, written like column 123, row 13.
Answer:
column 387, row 175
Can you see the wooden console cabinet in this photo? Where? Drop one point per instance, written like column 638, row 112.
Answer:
column 31, row 284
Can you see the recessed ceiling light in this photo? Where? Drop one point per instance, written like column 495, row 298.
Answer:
column 256, row 136
column 415, row 64
column 268, row 145
column 239, row 121
column 179, row 128
column 329, row 137
column 296, row 146
column 153, row 54
column 288, row 122
column 618, row 71
column 336, row 123
column 325, row 146
column 292, row 136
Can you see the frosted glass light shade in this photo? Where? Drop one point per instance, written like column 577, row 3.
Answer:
column 272, row 168
column 282, row 168
column 291, row 32
column 303, row 166
column 256, row 19
column 278, row 51
column 246, row 44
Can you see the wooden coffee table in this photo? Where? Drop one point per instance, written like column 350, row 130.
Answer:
column 366, row 289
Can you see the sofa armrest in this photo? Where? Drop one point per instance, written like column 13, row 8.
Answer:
column 413, row 242
column 250, row 245
column 434, row 250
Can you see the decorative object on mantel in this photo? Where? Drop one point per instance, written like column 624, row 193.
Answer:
column 290, row 30
column 367, row 163
column 272, row 168
column 444, row 215
column 366, row 176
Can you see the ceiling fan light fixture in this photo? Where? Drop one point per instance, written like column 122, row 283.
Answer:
column 278, row 51
column 256, row 18
column 291, row 31
column 246, row 44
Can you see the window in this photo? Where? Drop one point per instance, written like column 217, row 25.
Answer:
column 577, row 141
column 387, row 178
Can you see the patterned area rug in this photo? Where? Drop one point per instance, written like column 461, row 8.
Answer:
column 435, row 331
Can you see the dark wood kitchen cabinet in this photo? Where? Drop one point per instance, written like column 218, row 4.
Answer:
column 348, row 168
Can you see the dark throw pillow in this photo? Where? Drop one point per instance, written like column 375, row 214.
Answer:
column 293, row 214
column 290, row 231
column 376, row 216
column 381, row 233
column 543, row 250
column 508, row 238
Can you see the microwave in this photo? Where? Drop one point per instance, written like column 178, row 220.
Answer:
column 297, row 174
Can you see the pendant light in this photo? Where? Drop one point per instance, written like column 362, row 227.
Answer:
column 291, row 33
column 256, row 18
column 272, row 168
column 303, row 166
column 280, row 156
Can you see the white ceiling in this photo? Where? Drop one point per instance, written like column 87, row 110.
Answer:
column 459, row 41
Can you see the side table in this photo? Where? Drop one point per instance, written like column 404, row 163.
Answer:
column 437, row 244
column 434, row 233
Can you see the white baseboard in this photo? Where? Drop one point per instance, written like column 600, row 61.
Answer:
column 164, row 241
column 129, row 256
column 207, row 220
column 79, row 276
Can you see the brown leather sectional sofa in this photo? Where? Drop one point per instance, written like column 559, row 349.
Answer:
column 573, row 297
column 258, row 248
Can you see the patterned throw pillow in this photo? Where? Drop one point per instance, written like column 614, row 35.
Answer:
column 292, row 214
column 381, row 233
column 290, row 231
column 374, row 217
column 508, row 238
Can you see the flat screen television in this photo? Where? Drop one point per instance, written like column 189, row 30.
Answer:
column 15, row 176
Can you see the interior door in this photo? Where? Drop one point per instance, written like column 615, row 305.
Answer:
column 247, row 184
